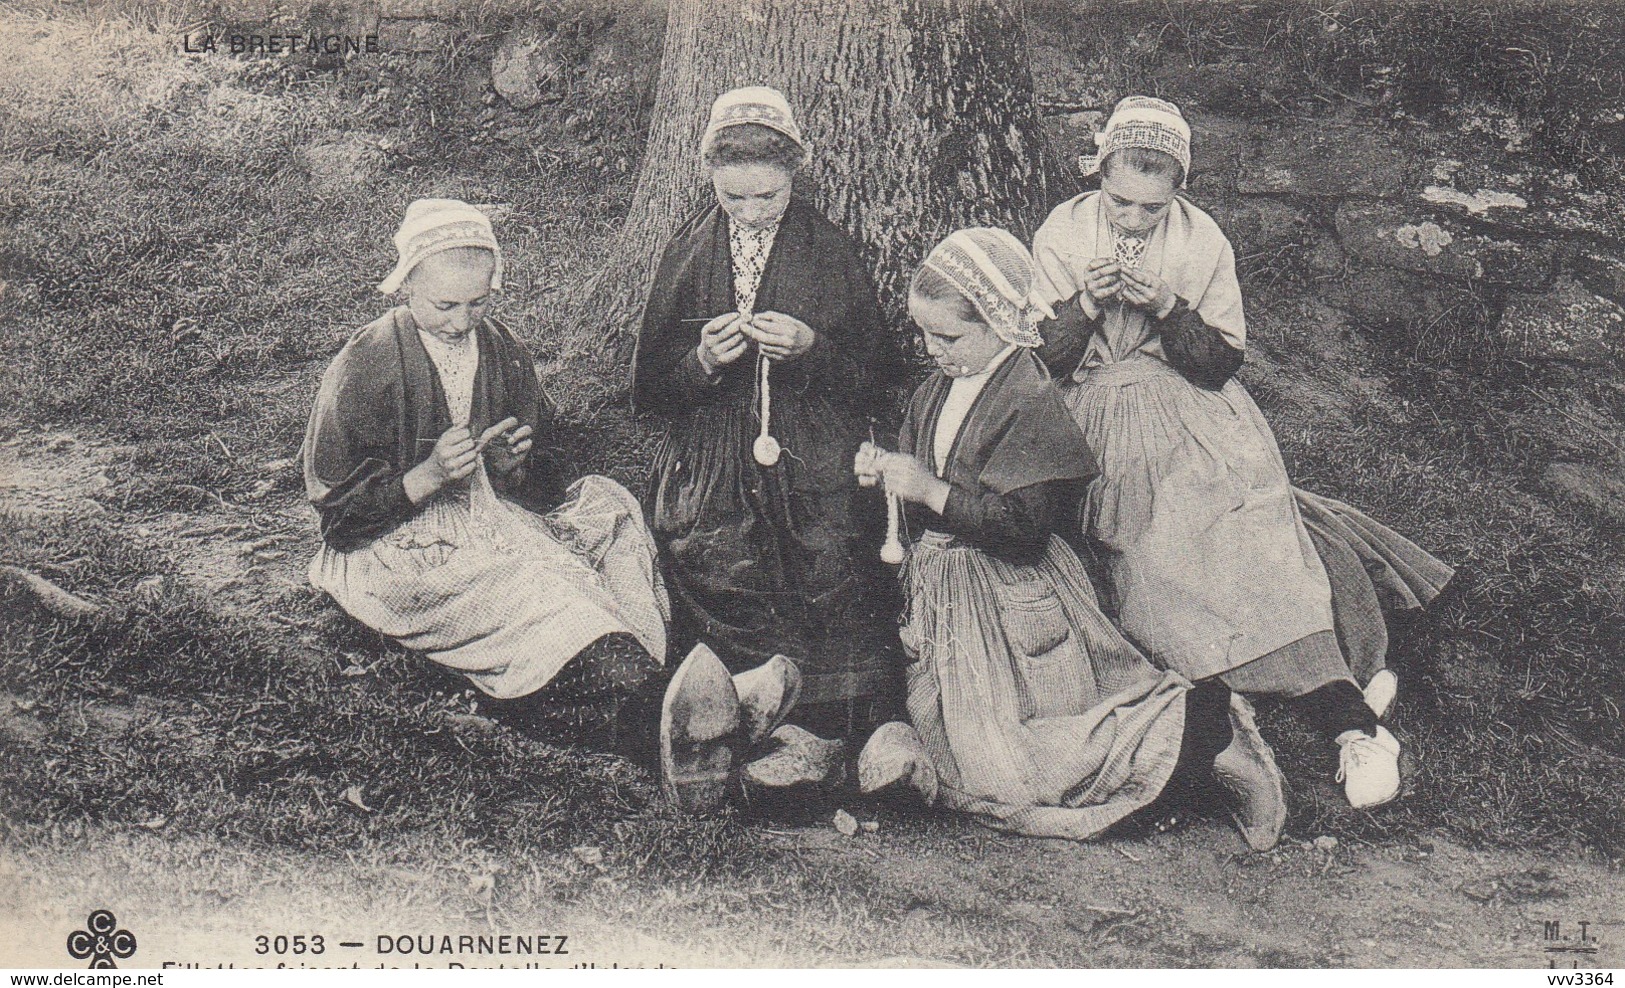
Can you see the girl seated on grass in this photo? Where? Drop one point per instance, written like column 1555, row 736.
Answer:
column 419, row 459
column 1217, row 566
column 762, row 321
column 1027, row 708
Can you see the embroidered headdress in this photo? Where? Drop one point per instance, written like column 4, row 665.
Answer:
column 1145, row 122
column 751, row 105
column 435, row 225
column 994, row 272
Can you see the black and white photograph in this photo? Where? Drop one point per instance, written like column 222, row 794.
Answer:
column 907, row 484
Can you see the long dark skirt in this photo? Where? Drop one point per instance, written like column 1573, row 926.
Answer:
column 775, row 560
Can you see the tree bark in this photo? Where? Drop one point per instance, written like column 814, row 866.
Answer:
column 919, row 116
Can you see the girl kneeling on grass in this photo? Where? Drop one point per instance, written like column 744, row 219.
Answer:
column 419, row 459
column 1027, row 707
column 1217, row 566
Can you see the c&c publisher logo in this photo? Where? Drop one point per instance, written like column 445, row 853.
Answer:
column 101, row 941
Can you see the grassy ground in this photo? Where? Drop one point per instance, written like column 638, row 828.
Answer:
column 179, row 264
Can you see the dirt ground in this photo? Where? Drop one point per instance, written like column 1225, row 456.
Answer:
column 1195, row 898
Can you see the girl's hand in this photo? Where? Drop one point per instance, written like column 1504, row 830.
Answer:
column 506, row 445
column 864, row 464
column 782, row 338
column 1103, row 278
column 1147, row 290
column 902, row 474
column 909, row 479
column 723, row 340
column 452, row 459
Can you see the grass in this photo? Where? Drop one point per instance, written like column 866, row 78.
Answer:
column 1511, row 682
column 194, row 337
column 1512, row 679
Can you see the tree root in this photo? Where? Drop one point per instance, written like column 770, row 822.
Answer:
column 55, row 599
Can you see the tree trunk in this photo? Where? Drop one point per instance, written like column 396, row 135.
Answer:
column 919, row 115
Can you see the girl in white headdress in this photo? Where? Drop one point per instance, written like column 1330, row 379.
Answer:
column 1217, row 566
column 421, row 458
column 1026, row 706
column 758, row 356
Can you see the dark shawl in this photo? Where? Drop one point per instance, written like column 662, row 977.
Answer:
column 813, row 273
column 1017, row 459
column 380, row 411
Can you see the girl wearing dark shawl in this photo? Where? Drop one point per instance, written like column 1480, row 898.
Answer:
column 1027, row 708
column 418, row 459
column 1217, row 566
column 760, row 293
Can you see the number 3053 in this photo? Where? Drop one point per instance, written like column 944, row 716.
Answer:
column 282, row 944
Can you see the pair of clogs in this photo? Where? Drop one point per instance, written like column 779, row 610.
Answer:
column 711, row 722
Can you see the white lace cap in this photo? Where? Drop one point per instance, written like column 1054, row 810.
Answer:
column 994, row 272
column 435, row 225
column 751, row 105
column 1143, row 122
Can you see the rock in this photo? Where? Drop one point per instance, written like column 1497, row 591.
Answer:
column 1260, row 225
column 1385, row 297
column 149, row 590
column 1599, row 486
column 1327, row 160
column 1601, row 271
column 590, row 855
column 1431, row 243
column 525, row 69
column 846, row 823
column 1230, row 86
column 1567, row 322
column 395, row 9
column 796, row 757
column 1324, row 256
column 414, row 36
column 1549, row 208
column 473, row 723
column 1590, row 212
column 1517, row 194
column 1219, row 143
column 1479, row 203
column 1325, row 843
column 1483, row 891
column 342, row 165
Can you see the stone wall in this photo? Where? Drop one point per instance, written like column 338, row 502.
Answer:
column 1456, row 235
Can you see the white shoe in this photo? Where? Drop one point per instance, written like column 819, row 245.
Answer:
column 1368, row 767
column 1380, row 692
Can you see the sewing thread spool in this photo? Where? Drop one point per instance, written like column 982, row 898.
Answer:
column 892, row 551
column 765, row 449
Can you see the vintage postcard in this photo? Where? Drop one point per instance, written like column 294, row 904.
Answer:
column 584, row 484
